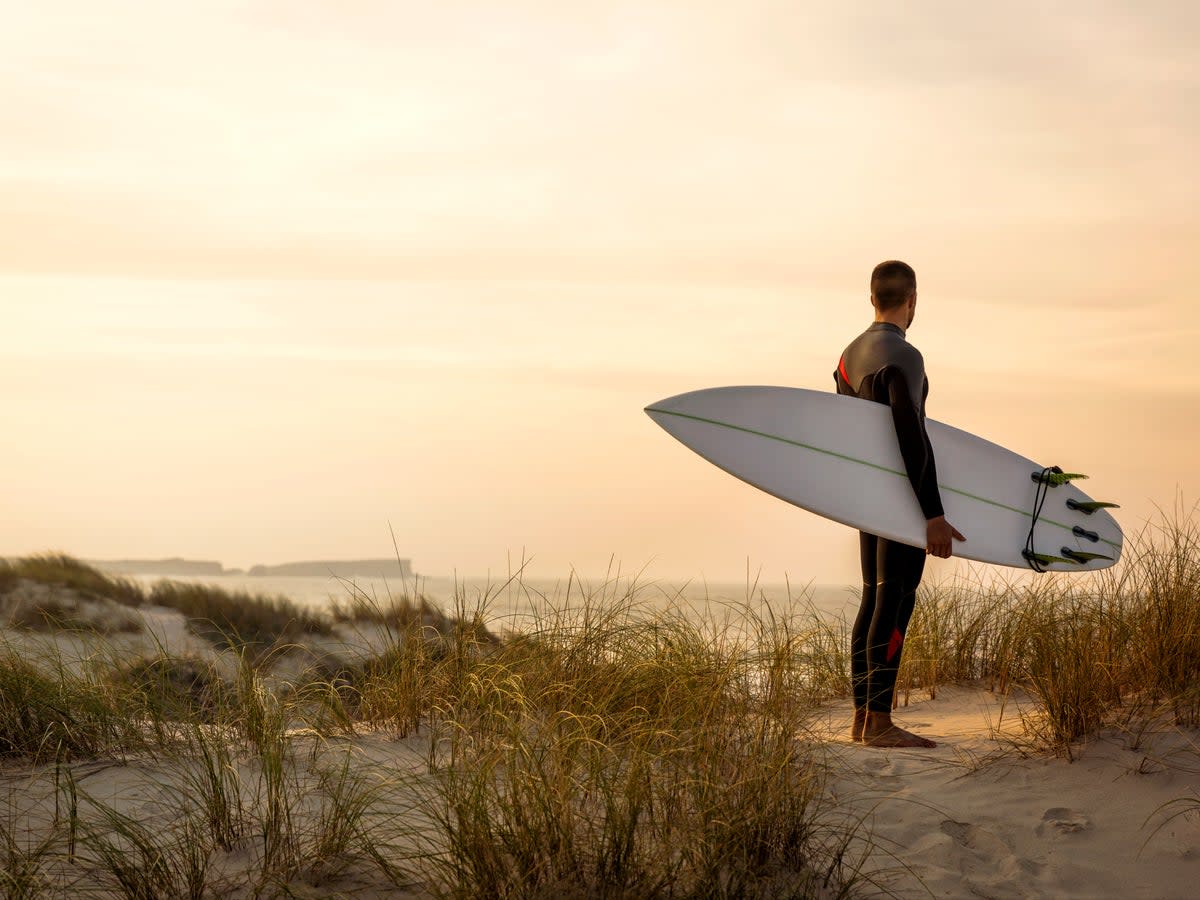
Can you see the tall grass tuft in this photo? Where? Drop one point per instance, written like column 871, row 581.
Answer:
column 347, row 797
column 210, row 777
column 9, row 578
column 615, row 752
column 48, row 712
column 235, row 619
column 1093, row 650
column 56, row 613
column 172, row 688
column 66, row 571
column 24, row 863
column 1163, row 659
column 1059, row 639
column 142, row 862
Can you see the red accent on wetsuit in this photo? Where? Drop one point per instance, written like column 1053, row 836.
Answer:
column 894, row 644
column 842, row 369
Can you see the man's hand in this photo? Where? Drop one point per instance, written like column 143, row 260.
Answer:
column 938, row 533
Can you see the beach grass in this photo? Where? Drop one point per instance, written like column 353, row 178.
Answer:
column 9, row 579
column 610, row 747
column 614, row 746
column 1094, row 650
column 50, row 712
column 168, row 688
column 237, row 619
column 65, row 571
column 634, row 755
column 56, row 613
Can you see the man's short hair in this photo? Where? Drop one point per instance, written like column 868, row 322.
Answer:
column 891, row 283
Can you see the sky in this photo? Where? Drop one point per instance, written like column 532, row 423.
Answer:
column 279, row 280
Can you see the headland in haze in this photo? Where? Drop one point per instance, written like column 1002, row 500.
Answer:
column 348, row 568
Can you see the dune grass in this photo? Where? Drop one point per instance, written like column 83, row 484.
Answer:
column 227, row 619
column 57, row 613
column 23, row 864
column 610, row 748
column 9, row 579
column 167, row 688
column 236, row 619
column 49, row 712
column 397, row 611
column 1094, row 650
column 617, row 753
column 66, row 571
column 1161, row 664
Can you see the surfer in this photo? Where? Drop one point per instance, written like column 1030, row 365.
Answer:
column 881, row 365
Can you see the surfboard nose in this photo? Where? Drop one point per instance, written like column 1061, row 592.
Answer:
column 673, row 403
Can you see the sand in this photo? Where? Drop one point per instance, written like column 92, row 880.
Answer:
column 151, row 790
column 975, row 817
column 971, row 818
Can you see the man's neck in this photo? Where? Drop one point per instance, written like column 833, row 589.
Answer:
column 893, row 317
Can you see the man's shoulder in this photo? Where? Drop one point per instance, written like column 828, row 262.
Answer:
column 894, row 344
column 907, row 359
column 912, row 352
column 881, row 348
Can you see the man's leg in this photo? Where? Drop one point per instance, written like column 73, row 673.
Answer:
column 898, row 569
column 867, row 551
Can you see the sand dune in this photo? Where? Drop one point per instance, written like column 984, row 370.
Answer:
column 976, row 818
column 984, row 814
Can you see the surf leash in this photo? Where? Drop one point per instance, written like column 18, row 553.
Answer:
column 1038, row 561
column 1053, row 476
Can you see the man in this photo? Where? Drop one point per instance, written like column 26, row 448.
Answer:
column 881, row 365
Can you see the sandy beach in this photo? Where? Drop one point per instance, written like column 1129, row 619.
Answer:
column 979, row 816
column 972, row 818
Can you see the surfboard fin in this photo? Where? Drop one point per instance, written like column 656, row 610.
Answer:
column 1054, row 479
column 1081, row 557
column 1087, row 507
column 1044, row 559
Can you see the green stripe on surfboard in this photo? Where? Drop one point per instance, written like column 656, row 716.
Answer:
column 861, row 462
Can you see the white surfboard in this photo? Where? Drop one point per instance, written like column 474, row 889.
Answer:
column 839, row 457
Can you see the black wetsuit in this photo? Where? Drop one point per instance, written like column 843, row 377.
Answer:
column 881, row 365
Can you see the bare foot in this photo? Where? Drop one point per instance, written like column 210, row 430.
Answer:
column 895, row 736
column 860, row 723
column 880, row 731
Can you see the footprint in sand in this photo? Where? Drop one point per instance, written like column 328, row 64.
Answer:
column 971, row 836
column 1062, row 820
column 991, row 863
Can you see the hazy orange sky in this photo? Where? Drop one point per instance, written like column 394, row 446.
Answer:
column 276, row 274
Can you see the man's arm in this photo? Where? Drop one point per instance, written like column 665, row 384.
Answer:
column 917, row 452
column 915, row 448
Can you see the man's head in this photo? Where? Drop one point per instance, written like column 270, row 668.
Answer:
column 894, row 290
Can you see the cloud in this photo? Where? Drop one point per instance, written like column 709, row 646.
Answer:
column 629, row 158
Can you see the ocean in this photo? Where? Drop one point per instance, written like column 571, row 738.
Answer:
column 512, row 604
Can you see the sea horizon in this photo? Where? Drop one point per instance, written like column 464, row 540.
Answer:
column 501, row 598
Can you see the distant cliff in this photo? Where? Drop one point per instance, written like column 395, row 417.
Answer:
column 174, row 566
column 346, row 568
